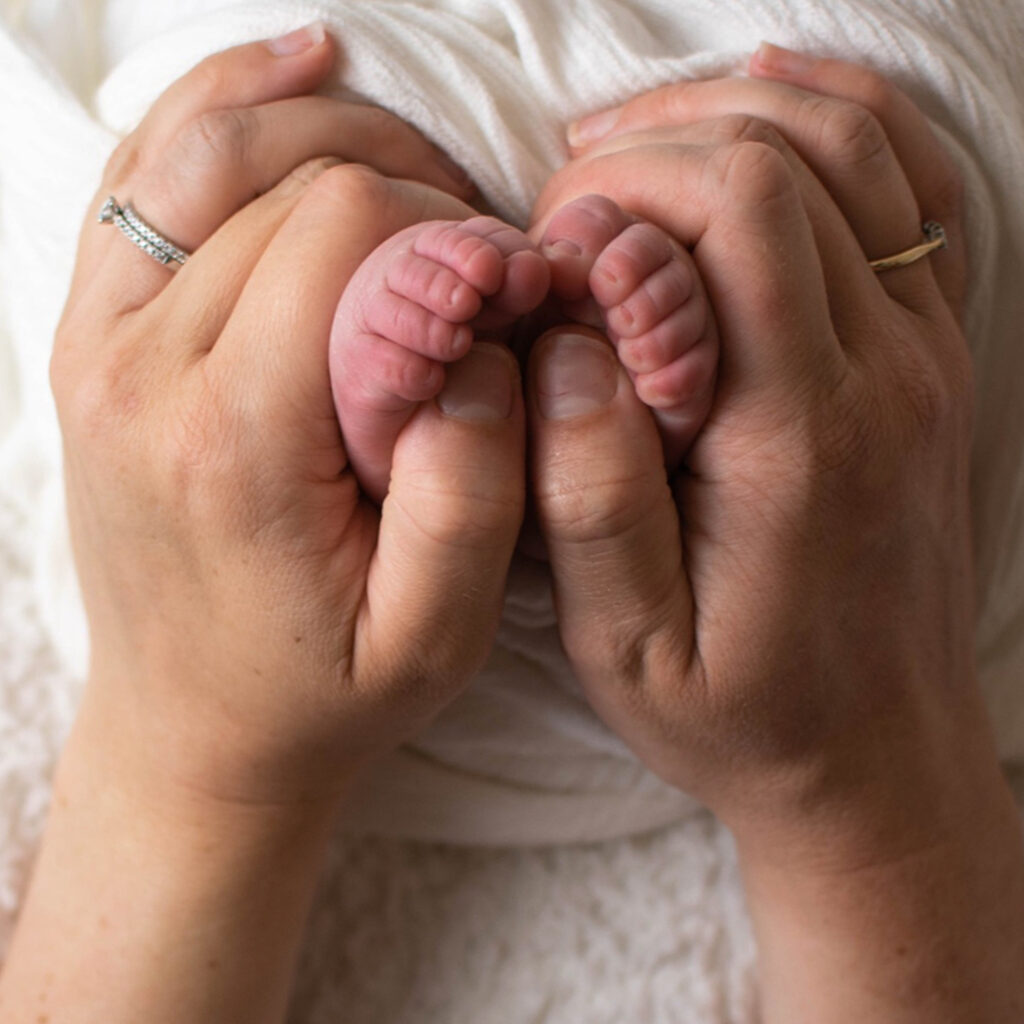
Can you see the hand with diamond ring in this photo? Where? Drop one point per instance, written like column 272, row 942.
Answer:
column 259, row 630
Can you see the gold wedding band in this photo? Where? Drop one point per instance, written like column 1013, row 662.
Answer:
column 934, row 238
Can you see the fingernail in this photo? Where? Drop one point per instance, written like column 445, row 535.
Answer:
column 591, row 129
column 481, row 385
column 454, row 170
column 577, row 374
column 783, row 61
column 299, row 41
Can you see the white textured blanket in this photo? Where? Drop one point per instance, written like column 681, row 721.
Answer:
column 519, row 759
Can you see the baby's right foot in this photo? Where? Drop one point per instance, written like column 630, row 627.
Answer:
column 651, row 302
column 414, row 304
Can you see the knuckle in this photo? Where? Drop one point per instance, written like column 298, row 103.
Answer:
column 61, row 368
column 352, row 186
column 610, row 505
column 300, row 178
column 849, row 130
column 875, row 92
column 101, row 399
column 755, row 177
column 219, row 137
column 208, row 80
column 745, row 128
column 464, row 510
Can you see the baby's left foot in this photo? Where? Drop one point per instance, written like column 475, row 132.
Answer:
column 650, row 300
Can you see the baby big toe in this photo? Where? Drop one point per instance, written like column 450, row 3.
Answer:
column 574, row 239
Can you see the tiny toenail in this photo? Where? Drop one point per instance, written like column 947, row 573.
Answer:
column 562, row 247
column 577, row 374
column 455, row 294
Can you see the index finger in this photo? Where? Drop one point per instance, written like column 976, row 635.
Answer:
column 929, row 169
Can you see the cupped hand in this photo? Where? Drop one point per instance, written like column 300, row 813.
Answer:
column 786, row 630
column 258, row 629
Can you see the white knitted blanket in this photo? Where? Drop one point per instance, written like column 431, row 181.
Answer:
column 520, row 759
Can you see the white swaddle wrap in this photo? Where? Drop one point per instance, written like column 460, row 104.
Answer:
column 519, row 758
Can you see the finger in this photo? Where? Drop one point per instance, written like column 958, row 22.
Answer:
column 930, row 170
column 448, row 529
column 225, row 159
column 197, row 304
column 608, row 519
column 242, row 76
column 843, row 144
column 239, row 77
column 187, row 183
column 850, row 283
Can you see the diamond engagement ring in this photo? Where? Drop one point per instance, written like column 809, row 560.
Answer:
column 139, row 233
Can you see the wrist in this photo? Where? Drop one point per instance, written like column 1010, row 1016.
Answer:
column 158, row 809
column 860, row 922
column 876, row 794
column 190, row 748
column 163, row 905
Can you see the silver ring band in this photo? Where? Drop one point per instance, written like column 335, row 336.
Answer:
column 934, row 238
column 139, row 233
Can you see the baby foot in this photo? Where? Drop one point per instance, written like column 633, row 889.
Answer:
column 413, row 305
column 651, row 302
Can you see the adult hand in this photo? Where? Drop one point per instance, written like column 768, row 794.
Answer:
column 254, row 626
column 786, row 631
column 258, row 629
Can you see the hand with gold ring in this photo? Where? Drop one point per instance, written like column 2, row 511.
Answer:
column 785, row 630
column 259, row 630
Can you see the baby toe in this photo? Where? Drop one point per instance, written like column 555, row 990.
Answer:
column 463, row 249
column 643, row 263
column 575, row 237
column 434, row 286
column 683, row 384
column 416, row 328
column 669, row 339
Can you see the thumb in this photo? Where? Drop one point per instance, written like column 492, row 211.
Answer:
column 604, row 505
column 448, row 530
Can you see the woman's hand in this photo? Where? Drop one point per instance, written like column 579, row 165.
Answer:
column 258, row 629
column 786, row 632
